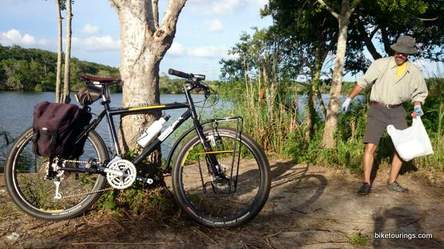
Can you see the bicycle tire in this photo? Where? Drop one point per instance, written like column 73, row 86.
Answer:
column 16, row 194
column 253, row 208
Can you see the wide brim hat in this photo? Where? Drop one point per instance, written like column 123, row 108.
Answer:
column 405, row 44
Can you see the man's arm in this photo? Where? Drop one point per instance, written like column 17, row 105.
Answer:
column 355, row 91
column 419, row 94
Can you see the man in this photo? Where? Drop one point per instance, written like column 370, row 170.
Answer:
column 394, row 80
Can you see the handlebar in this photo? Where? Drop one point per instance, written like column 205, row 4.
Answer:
column 180, row 74
column 189, row 76
column 194, row 79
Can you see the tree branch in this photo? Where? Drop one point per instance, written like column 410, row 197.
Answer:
column 428, row 19
column 354, row 4
column 150, row 16
column 172, row 14
column 368, row 40
column 386, row 41
column 116, row 3
column 155, row 4
column 334, row 13
column 169, row 21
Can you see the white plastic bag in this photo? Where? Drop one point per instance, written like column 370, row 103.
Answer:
column 411, row 142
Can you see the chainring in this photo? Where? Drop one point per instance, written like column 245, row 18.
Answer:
column 121, row 173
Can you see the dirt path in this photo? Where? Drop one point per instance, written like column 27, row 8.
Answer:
column 309, row 207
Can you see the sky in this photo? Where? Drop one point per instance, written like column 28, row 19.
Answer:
column 206, row 30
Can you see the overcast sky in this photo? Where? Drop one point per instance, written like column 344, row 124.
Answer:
column 205, row 31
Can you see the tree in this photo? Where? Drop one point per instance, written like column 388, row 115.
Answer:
column 67, row 76
column 59, row 50
column 144, row 42
column 375, row 29
column 295, row 22
column 343, row 18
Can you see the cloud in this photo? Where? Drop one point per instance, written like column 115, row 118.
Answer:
column 96, row 43
column 207, row 52
column 223, row 7
column 90, row 29
column 215, row 25
column 178, row 50
column 15, row 37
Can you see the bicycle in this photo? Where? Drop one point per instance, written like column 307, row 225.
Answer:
column 220, row 176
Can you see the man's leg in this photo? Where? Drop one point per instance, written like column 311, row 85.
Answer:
column 396, row 166
column 369, row 156
column 399, row 121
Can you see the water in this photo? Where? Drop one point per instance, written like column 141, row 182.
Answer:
column 16, row 114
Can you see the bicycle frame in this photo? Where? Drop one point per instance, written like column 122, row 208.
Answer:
column 190, row 112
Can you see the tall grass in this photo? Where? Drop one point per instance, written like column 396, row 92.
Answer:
column 271, row 118
column 269, row 113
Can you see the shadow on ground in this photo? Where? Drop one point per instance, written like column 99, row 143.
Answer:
column 308, row 207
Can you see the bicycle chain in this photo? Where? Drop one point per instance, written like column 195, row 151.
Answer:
column 88, row 193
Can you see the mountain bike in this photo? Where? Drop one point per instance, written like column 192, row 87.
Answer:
column 220, row 176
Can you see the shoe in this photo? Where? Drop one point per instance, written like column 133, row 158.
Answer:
column 395, row 187
column 364, row 189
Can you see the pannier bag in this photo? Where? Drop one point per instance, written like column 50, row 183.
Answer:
column 88, row 95
column 57, row 128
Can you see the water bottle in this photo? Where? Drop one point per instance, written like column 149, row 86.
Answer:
column 152, row 132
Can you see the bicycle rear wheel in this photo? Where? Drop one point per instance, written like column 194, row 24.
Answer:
column 28, row 187
column 222, row 204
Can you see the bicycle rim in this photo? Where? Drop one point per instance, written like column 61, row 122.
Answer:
column 38, row 193
column 234, row 201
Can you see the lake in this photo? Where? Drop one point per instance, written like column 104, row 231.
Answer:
column 16, row 113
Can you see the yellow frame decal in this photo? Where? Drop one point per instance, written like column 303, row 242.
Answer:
column 145, row 107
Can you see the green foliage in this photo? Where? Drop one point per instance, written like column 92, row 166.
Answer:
column 351, row 127
column 358, row 239
column 384, row 21
column 35, row 69
column 156, row 203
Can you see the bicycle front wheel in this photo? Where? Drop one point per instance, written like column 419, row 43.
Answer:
column 26, row 182
column 231, row 202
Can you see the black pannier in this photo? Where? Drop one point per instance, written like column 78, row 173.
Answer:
column 57, row 128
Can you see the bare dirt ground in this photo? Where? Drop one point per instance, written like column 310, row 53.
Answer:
column 309, row 207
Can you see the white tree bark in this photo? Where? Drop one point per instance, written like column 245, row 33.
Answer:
column 331, row 120
column 59, row 52
column 144, row 42
column 66, row 77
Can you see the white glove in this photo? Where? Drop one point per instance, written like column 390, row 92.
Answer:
column 346, row 104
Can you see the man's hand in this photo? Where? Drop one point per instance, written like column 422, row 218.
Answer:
column 346, row 104
column 417, row 111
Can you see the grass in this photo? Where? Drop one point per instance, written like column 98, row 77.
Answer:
column 272, row 121
column 358, row 239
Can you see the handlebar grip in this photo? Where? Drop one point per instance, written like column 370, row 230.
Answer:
column 180, row 74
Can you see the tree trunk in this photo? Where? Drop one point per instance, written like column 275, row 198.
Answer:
column 312, row 94
column 66, row 77
column 143, row 44
column 331, row 120
column 59, row 52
